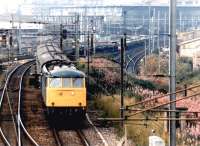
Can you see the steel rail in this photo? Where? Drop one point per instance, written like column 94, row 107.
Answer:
column 26, row 132
column 4, row 137
column 57, row 137
column 117, row 58
column 82, row 137
column 132, row 59
column 12, row 114
column 20, row 123
column 2, row 97
column 97, row 131
column 7, row 81
column 19, row 105
column 1, row 101
column 140, row 56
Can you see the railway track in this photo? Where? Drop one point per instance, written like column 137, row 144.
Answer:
column 83, row 138
column 99, row 140
column 85, row 134
column 136, row 63
column 104, row 131
column 27, row 120
column 3, row 136
column 58, row 140
column 70, row 137
column 48, row 132
column 8, row 104
column 33, row 119
column 20, row 123
column 133, row 62
column 127, row 53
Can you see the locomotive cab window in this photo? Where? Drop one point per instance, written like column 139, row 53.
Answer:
column 78, row 82
column 67, row 82
column 55, row 82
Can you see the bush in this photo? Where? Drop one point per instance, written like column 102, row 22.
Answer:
column 145, row 84
column 184, row 69
column 81, row 66
column 138, row 131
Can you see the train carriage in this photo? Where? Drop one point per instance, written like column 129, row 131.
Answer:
column 62, row 85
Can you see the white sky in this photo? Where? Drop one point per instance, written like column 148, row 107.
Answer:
column 11, row 5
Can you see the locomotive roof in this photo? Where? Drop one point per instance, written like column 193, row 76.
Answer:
column 67, row 73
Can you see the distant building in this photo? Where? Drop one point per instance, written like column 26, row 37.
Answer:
column 188, row 2
column 156, row 141
column 190, row 48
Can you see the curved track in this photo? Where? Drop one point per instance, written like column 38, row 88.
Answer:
column 4, row 138
column 82, row 137
column 20, row 122
column 96, row 131
column 134, row 61
column 2, row 104
column 13, row 83
column 53, row 132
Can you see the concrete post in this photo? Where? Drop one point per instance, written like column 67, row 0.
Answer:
column 172, row 70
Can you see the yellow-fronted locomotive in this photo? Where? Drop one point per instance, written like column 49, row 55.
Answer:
column 62, row 85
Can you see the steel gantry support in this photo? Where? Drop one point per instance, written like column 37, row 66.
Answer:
column 88, row 61
column 123, row 48
column 61, row 36
column 172, row 71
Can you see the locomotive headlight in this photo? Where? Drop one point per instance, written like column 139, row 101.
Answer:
column 72, row 93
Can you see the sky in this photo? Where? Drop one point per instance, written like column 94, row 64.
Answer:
column 11, row 5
